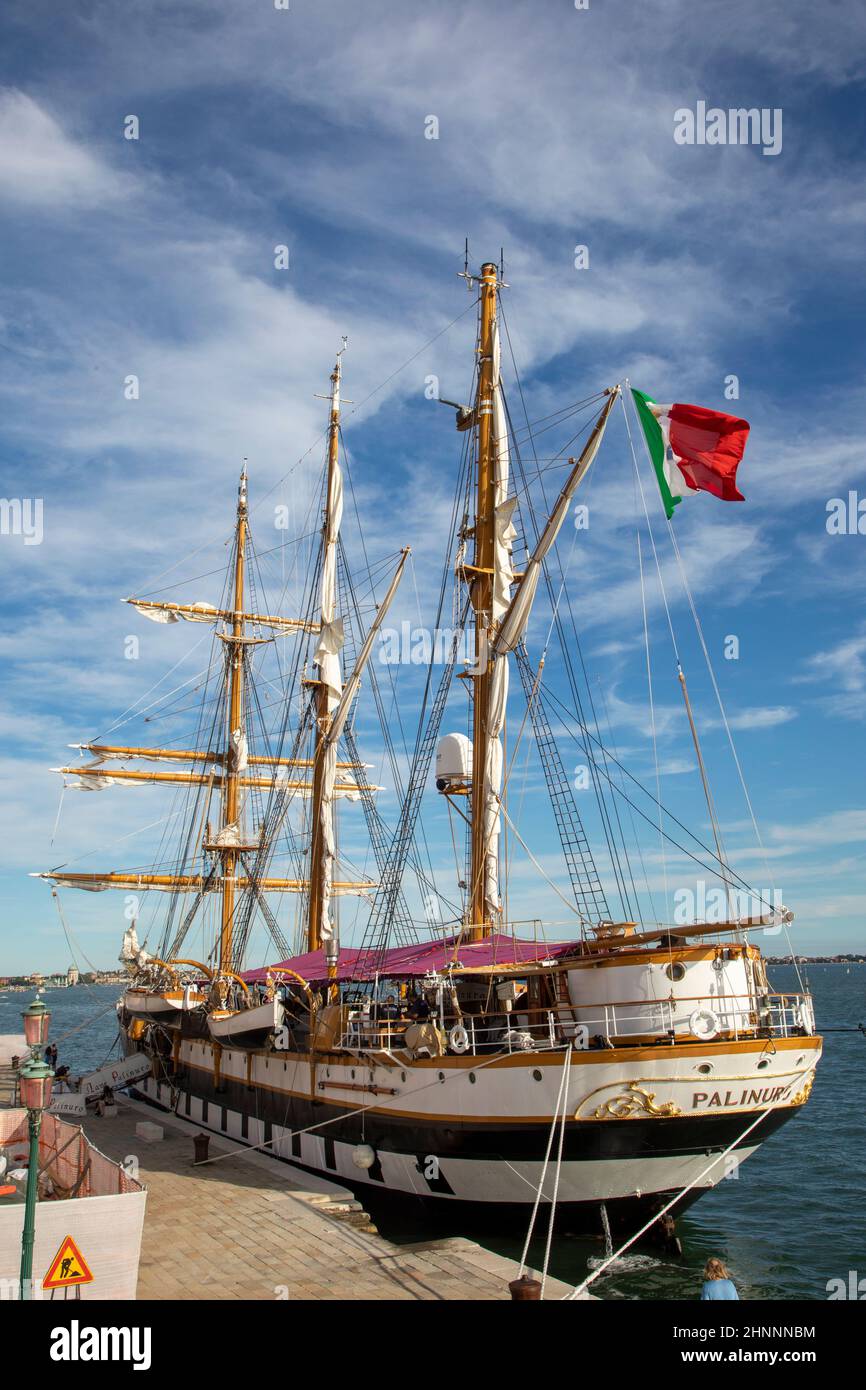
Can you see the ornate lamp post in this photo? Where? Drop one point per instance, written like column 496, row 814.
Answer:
column 34, row 1084
column 36, row 1023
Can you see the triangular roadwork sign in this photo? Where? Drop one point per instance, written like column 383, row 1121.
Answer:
column 67, row 1268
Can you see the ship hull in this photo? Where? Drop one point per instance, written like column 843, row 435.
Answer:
column 616, row 1150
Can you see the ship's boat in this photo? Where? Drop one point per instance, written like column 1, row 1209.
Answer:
column 253, row 1026
column 449, row 1051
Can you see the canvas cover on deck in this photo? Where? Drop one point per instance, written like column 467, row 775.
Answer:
column 421, row 959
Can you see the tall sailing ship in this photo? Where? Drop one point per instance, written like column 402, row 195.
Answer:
column 435, row 1058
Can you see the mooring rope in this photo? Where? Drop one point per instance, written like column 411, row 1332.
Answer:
column 535, row 1205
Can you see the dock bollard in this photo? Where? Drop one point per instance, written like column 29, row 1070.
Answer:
column 525, row 1288
column 200, row 1143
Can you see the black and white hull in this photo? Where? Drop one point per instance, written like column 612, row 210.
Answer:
column 642, row 1123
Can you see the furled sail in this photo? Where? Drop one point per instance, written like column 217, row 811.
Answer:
column 503, row 578
column 159, row 612
column 327, row 658
column 133, row 881
column 194, row 612
column 131, row 953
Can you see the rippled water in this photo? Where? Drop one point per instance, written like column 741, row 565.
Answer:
column 794, row 1218
column 83, row 1021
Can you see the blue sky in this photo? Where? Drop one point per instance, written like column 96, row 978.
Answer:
column 306, row 127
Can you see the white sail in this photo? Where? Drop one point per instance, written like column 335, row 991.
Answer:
column 503, row 578
column 96, row 782
column 339, row 715
column 191, row 613
column 327, row 658
column 130, row 951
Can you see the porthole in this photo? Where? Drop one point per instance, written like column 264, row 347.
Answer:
column 536, row 1075
column 353, row 1073
column 800, row 1061
column 441, row 1076
column 402, row 1076
column 472, row 1077
column 705, row 1068
column 675, row 971
column 764, row 1062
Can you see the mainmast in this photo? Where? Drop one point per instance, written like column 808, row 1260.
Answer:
column 236, row 749
column 328, row 688
column 490, row 583
column 500, row 616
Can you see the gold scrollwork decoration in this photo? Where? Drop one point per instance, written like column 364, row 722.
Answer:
column 634, row 1103
column 805, row 1091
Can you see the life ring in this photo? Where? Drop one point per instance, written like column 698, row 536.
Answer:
column 458, row 1038
column 704, row 1024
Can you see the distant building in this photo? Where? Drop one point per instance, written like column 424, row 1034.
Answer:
column 72, row 975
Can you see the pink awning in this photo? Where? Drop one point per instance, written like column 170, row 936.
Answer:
column 409, row 961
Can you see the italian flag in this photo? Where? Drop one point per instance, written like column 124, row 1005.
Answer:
column 692, row 449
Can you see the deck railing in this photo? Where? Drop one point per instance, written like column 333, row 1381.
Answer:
column 596, row 1025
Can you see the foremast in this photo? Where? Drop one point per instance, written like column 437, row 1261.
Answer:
column 227, row 771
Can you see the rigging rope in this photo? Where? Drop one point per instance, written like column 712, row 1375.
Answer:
column 652, row 710
column 563, row 1079
column 710, row 669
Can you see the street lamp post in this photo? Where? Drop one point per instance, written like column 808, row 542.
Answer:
column 37, row 1020
column 34, row 1081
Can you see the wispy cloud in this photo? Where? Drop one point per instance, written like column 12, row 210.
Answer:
column 43, row 165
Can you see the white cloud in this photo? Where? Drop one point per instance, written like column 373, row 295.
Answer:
column 760, row 717
column 844, row 664
column 835, row 828
column 42, row 165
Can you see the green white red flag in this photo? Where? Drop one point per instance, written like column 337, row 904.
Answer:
column 692, row 449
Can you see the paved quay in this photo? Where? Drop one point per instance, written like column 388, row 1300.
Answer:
column 253, row 1227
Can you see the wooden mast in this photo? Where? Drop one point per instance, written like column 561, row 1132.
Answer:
column 235, row 729
column 481, row 593
column 323, row 712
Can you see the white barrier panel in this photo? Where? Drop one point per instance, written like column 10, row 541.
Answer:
column 88, row 1236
